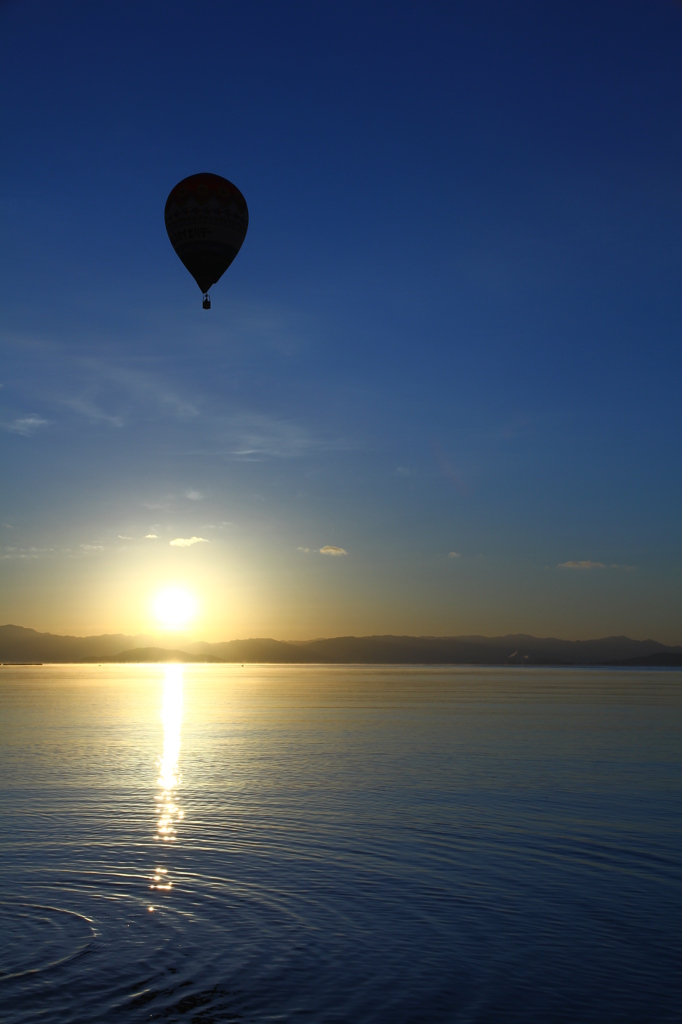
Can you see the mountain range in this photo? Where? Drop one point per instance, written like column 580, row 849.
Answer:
column 19, row 644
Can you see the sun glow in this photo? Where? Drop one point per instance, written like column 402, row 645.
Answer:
column 174, row 608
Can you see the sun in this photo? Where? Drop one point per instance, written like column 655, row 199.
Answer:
column 175, row 607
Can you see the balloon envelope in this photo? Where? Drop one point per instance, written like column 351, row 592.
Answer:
column 206, row 220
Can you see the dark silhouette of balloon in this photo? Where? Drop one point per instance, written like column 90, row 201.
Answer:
column 206, row 220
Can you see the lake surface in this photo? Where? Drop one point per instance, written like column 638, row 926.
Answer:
column 340, row 844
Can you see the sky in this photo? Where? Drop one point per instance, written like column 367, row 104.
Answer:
column 439, row 388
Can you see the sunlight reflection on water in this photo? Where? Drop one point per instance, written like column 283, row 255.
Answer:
column 448, row 845
column 169, row 812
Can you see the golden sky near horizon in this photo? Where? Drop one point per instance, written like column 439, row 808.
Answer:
column 215, row 592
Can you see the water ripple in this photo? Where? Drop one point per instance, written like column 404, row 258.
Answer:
column 435, row 848
column 37, row 938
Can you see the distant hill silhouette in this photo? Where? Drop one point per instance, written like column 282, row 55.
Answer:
column 255, row 650
column 18, row 644
column 432, row 650
column 151, row 654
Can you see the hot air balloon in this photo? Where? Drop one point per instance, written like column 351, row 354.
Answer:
column 206, row 220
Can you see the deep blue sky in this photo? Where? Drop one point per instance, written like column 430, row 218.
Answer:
column 454, row 325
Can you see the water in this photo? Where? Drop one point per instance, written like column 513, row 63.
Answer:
column 339, row 844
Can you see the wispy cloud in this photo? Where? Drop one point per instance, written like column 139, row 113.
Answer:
column 453, row 554
column 251, row 436
column 34, row 552
column 93, row 413
column 150, row 389
column 595, row 565
column 328, row 549
column 115, row 395
column 171, row 503
column 122, row 536
column 100, row 390
column 11, row 553
column 151, row 536
column 187, row 542
column 25, row 425
column 581, row 565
